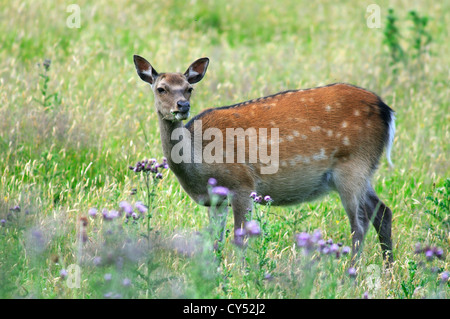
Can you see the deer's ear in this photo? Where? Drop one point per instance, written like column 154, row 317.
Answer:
column 145, row 70
column 196, row 70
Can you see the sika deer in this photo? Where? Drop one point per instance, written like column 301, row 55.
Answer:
column 322, row 139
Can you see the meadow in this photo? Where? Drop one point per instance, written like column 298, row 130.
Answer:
column 77, row 222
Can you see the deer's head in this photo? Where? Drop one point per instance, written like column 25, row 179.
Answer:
column 172, row 90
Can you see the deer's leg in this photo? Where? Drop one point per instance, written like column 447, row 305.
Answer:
column 381, row 217
column 351, row 186
column 241, row 204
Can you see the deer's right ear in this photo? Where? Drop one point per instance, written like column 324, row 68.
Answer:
column 145, row 70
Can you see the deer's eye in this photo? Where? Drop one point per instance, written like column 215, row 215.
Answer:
column 161, row 90
column 190, row 90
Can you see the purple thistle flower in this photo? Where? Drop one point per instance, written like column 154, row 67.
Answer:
column 444, row 276
column 258, row 199
column 126, row 282
column 438, row 252
column 334, row 248
column 110, row 215
column 267, row 198
column 15, row 209
column 63, row 273
column 141, row 207
column 366, row 295
column 429, row 254
column 158, row 176
column 92, row 212
column 3, row 222
column 303, row 240
column 352, row 272
column 253, row 195
column 252, row 228
column 317, row 236
column 220, row 190
column 346, row 250
column 126, row 208
column 212, row 181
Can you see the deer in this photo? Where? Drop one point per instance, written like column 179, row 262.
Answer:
column 330, row 138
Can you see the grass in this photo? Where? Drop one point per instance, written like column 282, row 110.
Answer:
column 69, row 132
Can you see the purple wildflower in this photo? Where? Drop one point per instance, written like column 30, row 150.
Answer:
column 317, row 235
column 126, row 282
column 107, row 277
column 366, row 295
column 3, row 222
column 15, row 209
column 126, row 208
column 212, row 181
column 304, row 240
column 252, row 228
column 92, row 212
column 352, row 272
column 268, row 199
column 258, row 199
column 63, row 273
column 444, row 276
column 253, row 195
column 346, row 250
column 110, row 215
column 220, row 190
column 141, row 207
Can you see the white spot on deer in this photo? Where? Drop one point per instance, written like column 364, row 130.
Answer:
column 344, row 124
column 328, row 108
column 346, row 141
column 320, row 156
column 304, row 137
column 314, row 128
column 330, row 133
column 311, row 100
column 356, row 113
column 289, row 138
column 338, row 134
column 295, row 133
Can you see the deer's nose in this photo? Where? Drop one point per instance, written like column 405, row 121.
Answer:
column 183, row 106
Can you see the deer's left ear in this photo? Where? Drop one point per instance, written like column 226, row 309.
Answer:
column 197, row 70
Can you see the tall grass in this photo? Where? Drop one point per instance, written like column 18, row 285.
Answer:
column 69, row 132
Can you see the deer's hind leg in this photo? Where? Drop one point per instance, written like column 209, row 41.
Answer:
column 350, row 181
column 381, row 217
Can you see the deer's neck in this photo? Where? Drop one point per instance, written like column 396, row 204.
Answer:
column 184, row 168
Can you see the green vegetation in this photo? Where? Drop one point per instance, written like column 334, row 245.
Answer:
column 74, row 116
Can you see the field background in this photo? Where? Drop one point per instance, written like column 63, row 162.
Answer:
column 71, row 154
